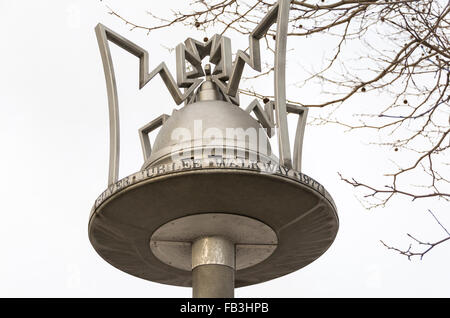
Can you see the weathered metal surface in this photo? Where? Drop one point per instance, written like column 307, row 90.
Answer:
column 213, row 281
column 254, row 241
column 209, row 128
column 297, row 208
column 213, row 250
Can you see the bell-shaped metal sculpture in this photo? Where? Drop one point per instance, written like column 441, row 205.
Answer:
column 208, row 128
column 212, row 207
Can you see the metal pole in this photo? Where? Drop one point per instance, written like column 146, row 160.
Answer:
column 213, row 267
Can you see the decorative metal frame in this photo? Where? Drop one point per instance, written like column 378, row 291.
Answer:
column 266, row 118
column 144, row 131
column 226, row 74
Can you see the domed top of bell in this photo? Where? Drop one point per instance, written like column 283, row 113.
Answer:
column 210, row 127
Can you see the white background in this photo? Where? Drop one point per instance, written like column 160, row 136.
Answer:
column 54, row 153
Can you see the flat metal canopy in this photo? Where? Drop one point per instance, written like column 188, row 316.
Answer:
column 296, row 207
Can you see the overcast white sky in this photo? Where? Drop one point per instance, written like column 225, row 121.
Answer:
column 54, row 152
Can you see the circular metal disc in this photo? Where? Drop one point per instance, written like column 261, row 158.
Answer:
column 253, row 240
column 295, row 206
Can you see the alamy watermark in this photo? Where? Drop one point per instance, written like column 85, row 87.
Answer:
column 249, row 143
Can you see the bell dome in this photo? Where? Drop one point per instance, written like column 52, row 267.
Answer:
column 210, row 128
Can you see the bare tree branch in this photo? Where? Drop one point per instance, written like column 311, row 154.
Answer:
column 427, row 245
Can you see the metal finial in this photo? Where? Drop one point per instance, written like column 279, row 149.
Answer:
column 208, row 69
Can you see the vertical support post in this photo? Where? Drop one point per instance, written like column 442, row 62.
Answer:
column 280, row 83
column 213, row 268
column 113, row 103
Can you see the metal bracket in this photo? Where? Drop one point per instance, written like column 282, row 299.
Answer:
column 144, row 131
column 299, row 133
column 266, row 119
